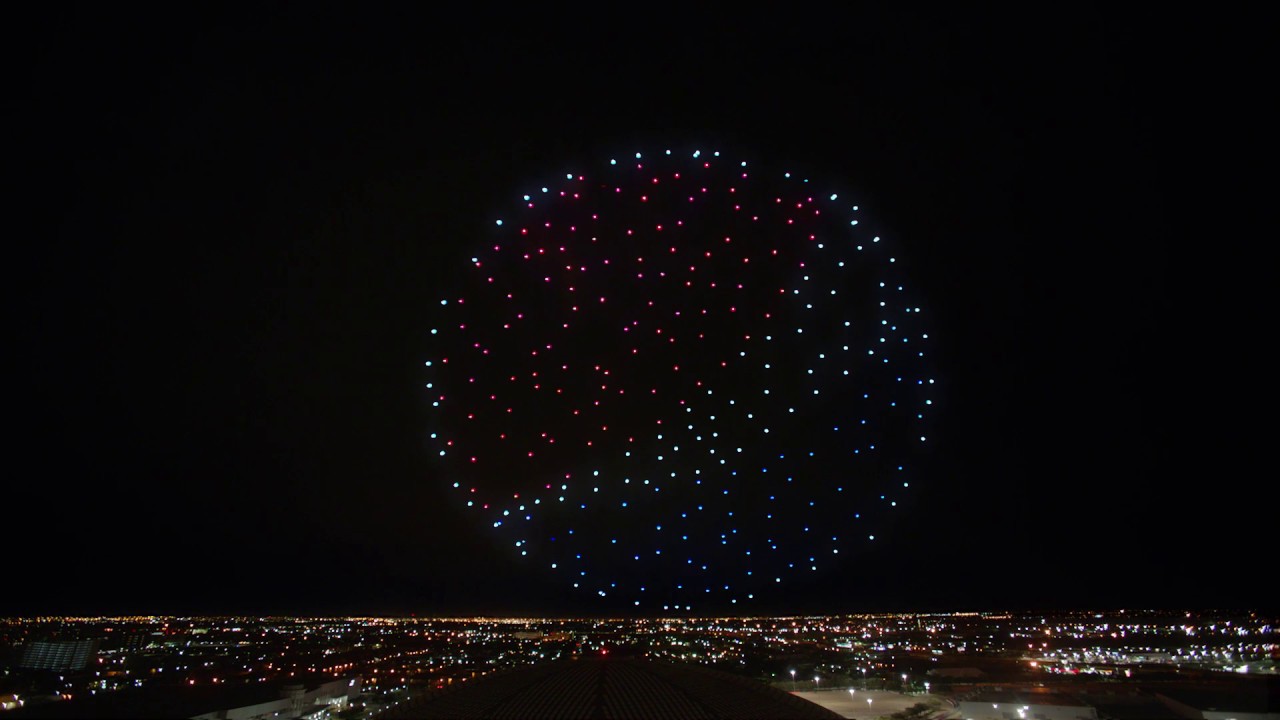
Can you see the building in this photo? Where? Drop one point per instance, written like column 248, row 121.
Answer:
column 295, row 701
column 58, row 654
column 611, row 687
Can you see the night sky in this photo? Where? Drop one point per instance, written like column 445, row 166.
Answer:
column 229, row 235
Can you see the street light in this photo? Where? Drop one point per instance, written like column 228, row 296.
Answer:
column 815, row 682
column 926, row 688
column 793, row 681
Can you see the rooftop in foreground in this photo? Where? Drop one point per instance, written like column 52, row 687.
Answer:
column 632, row 688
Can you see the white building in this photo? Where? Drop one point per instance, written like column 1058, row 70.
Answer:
column 296, row 702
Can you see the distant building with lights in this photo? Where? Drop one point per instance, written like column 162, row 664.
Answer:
column 58, row 654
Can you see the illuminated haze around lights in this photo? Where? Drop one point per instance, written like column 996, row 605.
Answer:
column 676, row 379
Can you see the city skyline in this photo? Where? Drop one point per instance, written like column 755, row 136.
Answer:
column 234, row 235
column 1124, row 663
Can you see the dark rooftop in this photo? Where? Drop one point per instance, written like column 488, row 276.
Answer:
column 631, row 688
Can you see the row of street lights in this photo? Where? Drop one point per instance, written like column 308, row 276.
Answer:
column 817, row 680
column 793, row 681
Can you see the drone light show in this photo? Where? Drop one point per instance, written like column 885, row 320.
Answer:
column 676, row 380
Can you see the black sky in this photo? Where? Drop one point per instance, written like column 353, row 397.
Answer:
column 224, row 230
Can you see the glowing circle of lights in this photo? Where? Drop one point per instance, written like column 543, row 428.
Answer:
column 677, row 380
